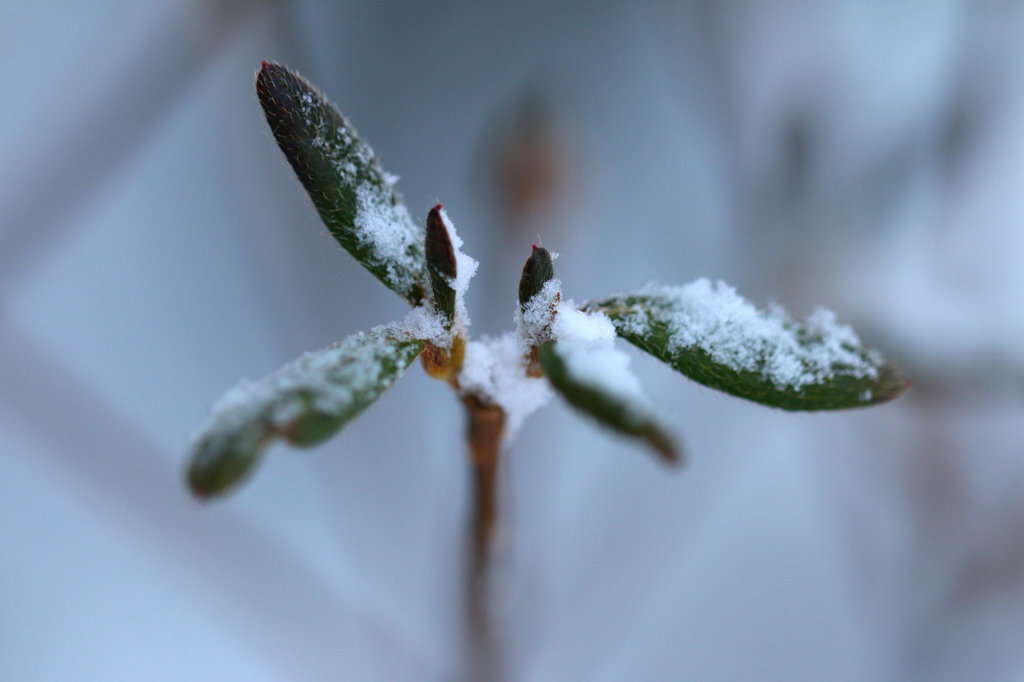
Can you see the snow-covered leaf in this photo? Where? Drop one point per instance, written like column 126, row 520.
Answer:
column 596, row 380
column 706, row 331
column 355, row 198
column 303, row 403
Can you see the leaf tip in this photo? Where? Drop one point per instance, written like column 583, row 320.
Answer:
column 264, row 72
column 221, row 462
column 202, row 487
column 902, row 384
column 669, row 452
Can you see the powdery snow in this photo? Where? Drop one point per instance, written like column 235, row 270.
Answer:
column 546, row 316
column 495, row 369
column 424, row 323
column 382, row 223
column 586, row 346
column 572, row 324
column 387, row 230
column 605, row 368
column 534, row 320
column 331, row 379
column 713, row 317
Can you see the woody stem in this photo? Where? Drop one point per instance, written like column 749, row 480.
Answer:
column 485, row 429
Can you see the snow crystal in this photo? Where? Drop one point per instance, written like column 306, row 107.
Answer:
column 546, row 316
column 424, row 323
column 713, row 317
column 382, row 224
column 572, row 324
column 534, row 320
column 494, row 369
column 600, row 365
column 387, row 230
column 586, row 345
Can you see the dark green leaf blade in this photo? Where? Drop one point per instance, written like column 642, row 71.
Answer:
column 353, row 195
column 303, row 403
column 707, row 332
column 617, row 407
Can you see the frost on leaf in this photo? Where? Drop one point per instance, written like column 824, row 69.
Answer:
column 595, row 379
column 708, row 332
column 305, row 402
column 583, row 365
column 354, row 196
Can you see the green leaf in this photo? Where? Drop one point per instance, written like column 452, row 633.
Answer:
column 354, row 197
column 303, row 403
column 597, row 382
column 709, row 333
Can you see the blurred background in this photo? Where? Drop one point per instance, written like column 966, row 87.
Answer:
column 155, row 248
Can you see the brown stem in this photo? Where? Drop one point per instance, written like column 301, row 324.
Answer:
column 484, row 433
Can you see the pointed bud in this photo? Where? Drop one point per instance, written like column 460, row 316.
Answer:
column 536, row 273
column 441, row 263
column 538, row 312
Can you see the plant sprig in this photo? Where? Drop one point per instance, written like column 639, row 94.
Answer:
column 703, row 330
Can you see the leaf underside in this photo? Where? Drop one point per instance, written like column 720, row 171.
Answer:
column 859, row 378
column 352, row 194
column 613, row 409
column 303, row 403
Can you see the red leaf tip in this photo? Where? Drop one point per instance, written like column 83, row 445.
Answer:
column 439, row 207
column 265, row 65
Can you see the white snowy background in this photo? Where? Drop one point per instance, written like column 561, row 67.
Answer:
column 155, row 248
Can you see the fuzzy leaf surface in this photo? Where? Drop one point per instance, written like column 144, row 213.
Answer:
column 304, row 403
column 593, row 382
column 355, row 198
column 707, row 332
